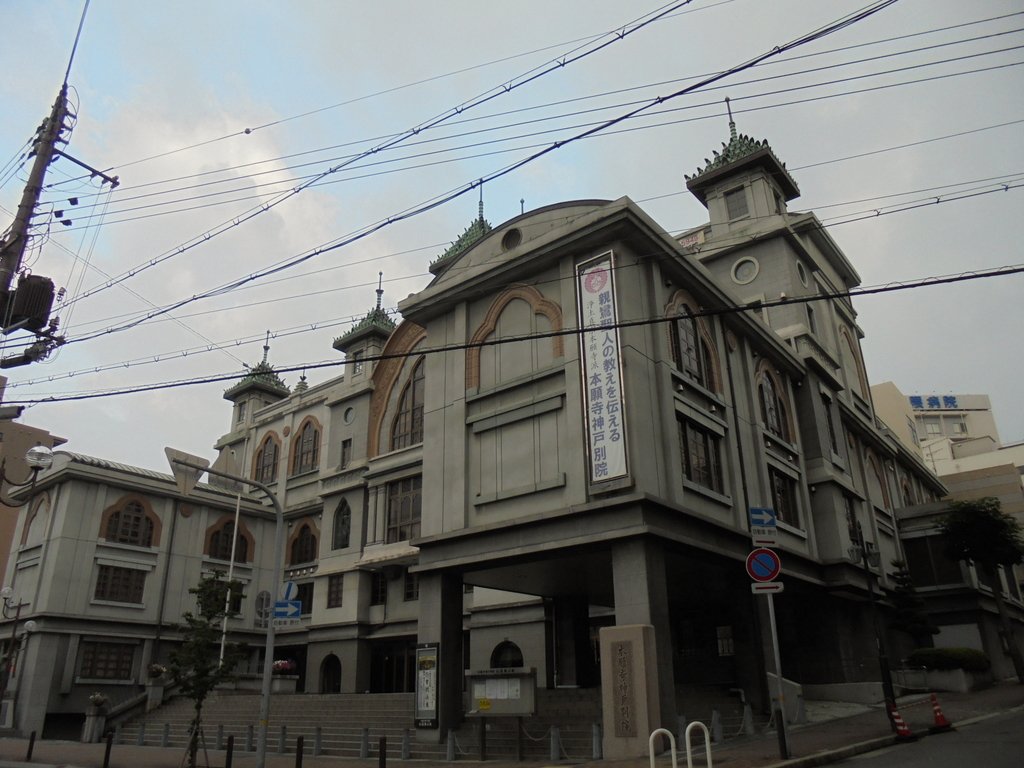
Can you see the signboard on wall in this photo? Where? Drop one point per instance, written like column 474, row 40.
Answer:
column 426, row 685
column 601, row 368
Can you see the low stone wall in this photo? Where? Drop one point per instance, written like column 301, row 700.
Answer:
column 958, row 680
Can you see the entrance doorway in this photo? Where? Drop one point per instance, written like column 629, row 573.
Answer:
column 393, row 666
column 330, row 675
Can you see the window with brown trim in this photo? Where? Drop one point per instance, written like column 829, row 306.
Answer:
column 266, row 460
column 404, row 503
column 342, row 527
column 130, row 525
column 307, row 449
column 701, row 450
column 408, row 425
column 784, row 497
column 120, row 585
column 412, row 586
column 304, row 594
column 220, row 544
column 378, row 588
column 773, row 408
column 106, row 661
column 304, row 548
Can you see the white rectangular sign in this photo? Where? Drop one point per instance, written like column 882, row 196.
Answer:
column 602, row 368
column 766, row 586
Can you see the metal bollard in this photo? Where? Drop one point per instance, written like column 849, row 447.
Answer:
column 382, row 752
column 117, row 734
column 106, row 752
column 450, row 747
column 31, row 746
column 595, row 741
column 364, row 743
column 248, row 739
column 140, row 737
column 282, row 739
column 716, row 726
column 220, row 737
column 229, row 755
column 556, row 743
column 165, row 738
column 318, row 741
column 681, row 727
column 748, row 720
column 405, row 744
column 299, row 749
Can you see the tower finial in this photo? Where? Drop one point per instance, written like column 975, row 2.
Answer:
column 481, row 213
column 266, row 347
column 732, row 124
column 380, row 289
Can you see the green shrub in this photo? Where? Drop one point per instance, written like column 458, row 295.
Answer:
column 966, row 659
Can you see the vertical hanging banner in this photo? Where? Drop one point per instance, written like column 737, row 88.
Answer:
column 426, row 685
column 601, row 368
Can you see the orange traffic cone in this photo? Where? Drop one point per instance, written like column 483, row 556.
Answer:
column 903, row 732
column 941, row 723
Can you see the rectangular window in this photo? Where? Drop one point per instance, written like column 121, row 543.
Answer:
column 304, row 594
column 120, row 585
column 812, row 324
column 378, row 588
column 726, row 644
column 106, row 661
column 346, row 452
column 784, row 497
column 736, row 203
column 357, row 362
column 412, row 586
column 928, row 564
column 932, row 425
column 700, row 450
column 404, row 499
column 335, row 590
column 241, row 411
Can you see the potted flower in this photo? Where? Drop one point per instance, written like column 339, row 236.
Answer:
column 156, row 670
column 98, row 699
column 283, row 667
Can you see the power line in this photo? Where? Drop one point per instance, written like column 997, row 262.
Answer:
column 756, row 306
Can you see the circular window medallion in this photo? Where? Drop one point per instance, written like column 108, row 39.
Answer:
column 511, row 239
column 801, row 271
column 350, row 415
column 745, row 270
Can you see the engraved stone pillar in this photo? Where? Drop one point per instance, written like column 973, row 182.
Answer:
column 629, row 689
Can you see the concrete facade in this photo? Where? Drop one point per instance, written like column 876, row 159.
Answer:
column 486, row 477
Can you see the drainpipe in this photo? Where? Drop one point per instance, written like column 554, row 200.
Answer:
column 175, row 509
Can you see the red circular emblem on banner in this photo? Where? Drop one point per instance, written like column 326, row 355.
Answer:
column 595, row 280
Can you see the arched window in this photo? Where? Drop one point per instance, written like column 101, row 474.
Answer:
column 342, row 526
column 773, row 407
column 306, row 449
column 303, row 546
column 35, row 523
column 408, row 425
column 855, row 377
column 130, row 525
column 266, row 460
column 692, row 350
column 220, row 544
column 506, row 654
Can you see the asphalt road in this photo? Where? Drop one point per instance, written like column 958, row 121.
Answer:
column 994, row 742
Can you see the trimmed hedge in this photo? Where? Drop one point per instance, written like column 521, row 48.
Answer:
column 967, row 659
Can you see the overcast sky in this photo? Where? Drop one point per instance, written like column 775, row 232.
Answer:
column 207, row 109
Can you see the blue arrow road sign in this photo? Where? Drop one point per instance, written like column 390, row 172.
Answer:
column 287, row 609
column 762, row 517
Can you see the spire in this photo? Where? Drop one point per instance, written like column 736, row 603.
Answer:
column 261, row 376
column 732, row 123
column 377, row 322
column 380, row 288
column 480, row 215
column 266, row 347
column 302, row 386
column 476, row 230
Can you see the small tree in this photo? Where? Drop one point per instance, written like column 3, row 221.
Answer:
column 910, row 614
column 195, row 665
column 981, row 532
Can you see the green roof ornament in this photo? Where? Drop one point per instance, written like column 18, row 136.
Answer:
column 376, row 320
column 740, row 145
column 261, row 375
column 474, row 232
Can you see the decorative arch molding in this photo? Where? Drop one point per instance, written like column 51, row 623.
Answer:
column 314, row 529
column 38, row 513
column 766, row 374
column 875, row 467
column 260, row 469
column 386, row 374
column 678, row 299
column 121, row 505
column 853, row 350
column 243, row 533
column 540, row 306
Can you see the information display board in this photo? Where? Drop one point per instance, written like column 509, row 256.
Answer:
column 501, row 692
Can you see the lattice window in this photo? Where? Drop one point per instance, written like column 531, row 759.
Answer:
column 404, row 503
column 701, row 451
column 408, row 425
column 120, row 585
column 304, row 548
column 335, row 590
column 130, row 525
column 342, row 528
column 266, row 460
column 307, row 449
column 220, row 544
column 106, row 661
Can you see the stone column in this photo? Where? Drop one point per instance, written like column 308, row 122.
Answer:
column 440, row 622
column 641, row 597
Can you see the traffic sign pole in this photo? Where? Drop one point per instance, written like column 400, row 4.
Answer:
column 780, row 713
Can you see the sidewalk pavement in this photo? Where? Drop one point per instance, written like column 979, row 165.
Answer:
column 835, row 736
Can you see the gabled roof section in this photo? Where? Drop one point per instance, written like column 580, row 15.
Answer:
column 740, row 153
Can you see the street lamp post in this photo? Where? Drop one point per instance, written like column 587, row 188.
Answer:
column 869, row 559
column 38, row 458
column 178, row 459
column 7, row 594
